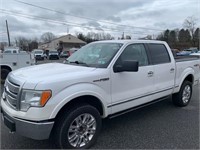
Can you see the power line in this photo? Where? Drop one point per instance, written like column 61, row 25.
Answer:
column 14, row 13
column 82, row 17
column 2, row 32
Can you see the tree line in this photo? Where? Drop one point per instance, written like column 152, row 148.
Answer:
column 180, row 39
column 92, row 36
column 184, row 38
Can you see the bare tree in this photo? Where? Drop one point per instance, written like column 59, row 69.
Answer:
column 26, row 44
column 190, row 24
column 47, row 37
column 2, row 45
column 22, row 43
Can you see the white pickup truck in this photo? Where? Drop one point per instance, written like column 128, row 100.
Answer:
column 102, row 79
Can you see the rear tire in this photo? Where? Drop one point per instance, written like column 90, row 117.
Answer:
column 4, row 74
column 183, row 97
column 78, row 128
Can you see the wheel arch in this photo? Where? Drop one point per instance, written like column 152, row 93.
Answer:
column 85, row 99
column 6, row 67
column 187, row 74
column 189, row 78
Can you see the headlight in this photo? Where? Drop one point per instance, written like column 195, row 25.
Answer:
column 31, row 98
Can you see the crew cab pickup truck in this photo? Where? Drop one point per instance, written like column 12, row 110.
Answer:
column 103, row 79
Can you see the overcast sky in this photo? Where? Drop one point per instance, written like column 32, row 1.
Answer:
column 138, row 17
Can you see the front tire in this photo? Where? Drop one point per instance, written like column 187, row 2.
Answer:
column 183, row 97
column 78, row 128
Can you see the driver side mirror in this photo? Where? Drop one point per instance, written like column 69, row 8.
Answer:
column 127, row 66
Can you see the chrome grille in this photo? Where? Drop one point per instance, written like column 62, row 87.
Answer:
column 11, row 91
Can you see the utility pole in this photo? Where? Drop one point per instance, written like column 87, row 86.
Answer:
column 8, row 33
column 199, row 38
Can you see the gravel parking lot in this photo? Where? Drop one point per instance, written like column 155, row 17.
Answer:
column 159, row 126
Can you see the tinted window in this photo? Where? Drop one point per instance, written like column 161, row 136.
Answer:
column 159, row 54
column 135, row 52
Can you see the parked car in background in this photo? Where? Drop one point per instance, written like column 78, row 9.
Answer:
column 53, row 54
column 175, row 51
column 72, row 50
column 187, row 52
column 183, row 53
column 39, row 54
column 196, row 54
column 64, row 54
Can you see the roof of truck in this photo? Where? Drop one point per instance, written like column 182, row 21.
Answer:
column 130, row 41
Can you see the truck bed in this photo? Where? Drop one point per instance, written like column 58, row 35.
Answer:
column 186, row 58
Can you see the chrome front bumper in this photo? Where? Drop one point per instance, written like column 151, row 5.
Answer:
column 35, row 130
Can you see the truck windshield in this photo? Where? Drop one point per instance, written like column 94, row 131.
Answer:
column 97, row 55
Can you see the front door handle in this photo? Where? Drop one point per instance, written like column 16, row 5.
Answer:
column 150, row 73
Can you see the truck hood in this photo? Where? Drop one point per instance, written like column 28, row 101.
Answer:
column 51, row 71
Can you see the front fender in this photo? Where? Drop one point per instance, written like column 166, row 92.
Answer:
column 77, row 90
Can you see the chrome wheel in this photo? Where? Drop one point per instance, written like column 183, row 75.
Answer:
column 82, row 130
column 186, row 94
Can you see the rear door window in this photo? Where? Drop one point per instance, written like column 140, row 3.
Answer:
column 159, row 54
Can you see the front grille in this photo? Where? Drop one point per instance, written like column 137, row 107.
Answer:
column 11, row 93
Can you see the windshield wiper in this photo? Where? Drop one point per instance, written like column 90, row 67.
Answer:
column 79, row 63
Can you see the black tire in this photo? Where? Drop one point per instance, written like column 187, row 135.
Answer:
column 4, row 74
column 63, row 124
column 178, row 97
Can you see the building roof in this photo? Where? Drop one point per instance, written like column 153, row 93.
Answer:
column 67, row 39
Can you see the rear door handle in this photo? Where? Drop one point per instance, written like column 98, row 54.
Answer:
column 172, row 70
column 150, row 73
